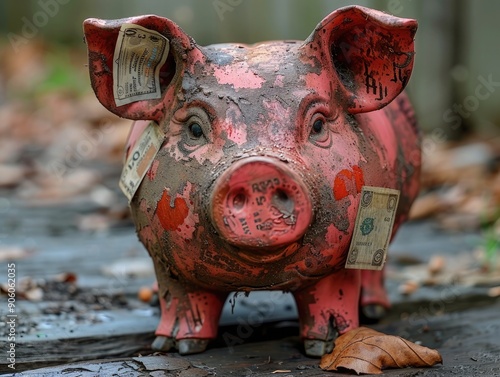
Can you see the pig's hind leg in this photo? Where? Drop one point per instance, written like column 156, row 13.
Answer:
column 374, row 302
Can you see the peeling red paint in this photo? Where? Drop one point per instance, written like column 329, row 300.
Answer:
column 239, row 76
column 348, row 182
column 171, row 217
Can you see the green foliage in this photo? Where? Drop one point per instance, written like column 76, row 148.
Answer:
column 62, row 74
column 491, row 241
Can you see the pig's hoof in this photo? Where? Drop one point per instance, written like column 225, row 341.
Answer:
column 372, row 313
column 163, row 343
column 189, row 346
column 317, row 348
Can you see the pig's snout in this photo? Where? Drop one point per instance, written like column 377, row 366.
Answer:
column 259, row 202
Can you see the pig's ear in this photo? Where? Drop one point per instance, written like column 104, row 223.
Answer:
column 135, row 79
column 371, row 52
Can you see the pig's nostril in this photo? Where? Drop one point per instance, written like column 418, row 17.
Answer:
column 281, row 196
column 283, row 201
column 239, row 200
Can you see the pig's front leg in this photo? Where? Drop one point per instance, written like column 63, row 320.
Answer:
column 328, row 308
column 189, row 318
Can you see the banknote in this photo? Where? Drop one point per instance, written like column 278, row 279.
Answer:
column 140, row 159
column 373, row 228
column 139, row 55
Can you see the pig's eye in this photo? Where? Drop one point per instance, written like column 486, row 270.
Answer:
column 319, row 134
column 195, row 130
column 318, row 126
column 193, row 127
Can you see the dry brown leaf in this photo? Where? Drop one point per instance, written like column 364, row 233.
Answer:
column 145, row 294
column 459, row 221
column 95, row 222
column 436, row 264
column 137, row 267
column 11, row 175
column 408, row 287
column 494, row 292
column 49, row 189
column 426, row 206
column 34, row 294
column 367, row 351
column 65, row 277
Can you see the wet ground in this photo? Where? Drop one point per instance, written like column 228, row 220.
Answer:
column 468, row 341
column 77, row 303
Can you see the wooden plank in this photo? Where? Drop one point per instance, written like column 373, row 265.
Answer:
column 468, row 341
column 68, row 337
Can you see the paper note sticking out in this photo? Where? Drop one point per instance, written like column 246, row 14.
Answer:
column 139, row 55
column 140, row 159
column 373, row 228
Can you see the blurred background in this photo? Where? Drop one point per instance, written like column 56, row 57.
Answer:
column 58, row 145
column 457, row 42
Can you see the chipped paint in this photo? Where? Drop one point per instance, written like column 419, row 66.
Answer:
column 348, row 182
column 239, row 76
column 151, row 174
column 278, row 81
column 171, row 216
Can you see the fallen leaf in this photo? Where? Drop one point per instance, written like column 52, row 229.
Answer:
column 364, row 350
column 459, row 221
column 436, row 264
column 94, row 222
column 426, row 206
column 137, row 267
column 65, row 277
column 406, row 259
column 408, row 287
column 34, row 294
column 11, row 175
column 51, row 189
column 145, row 294
column 494, row 292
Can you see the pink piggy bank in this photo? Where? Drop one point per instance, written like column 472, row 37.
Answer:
column 248, row 164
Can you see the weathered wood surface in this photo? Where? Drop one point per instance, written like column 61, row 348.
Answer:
column 468, row 341
column 102, row 317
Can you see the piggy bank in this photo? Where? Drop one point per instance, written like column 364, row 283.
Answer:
column 247, row 164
